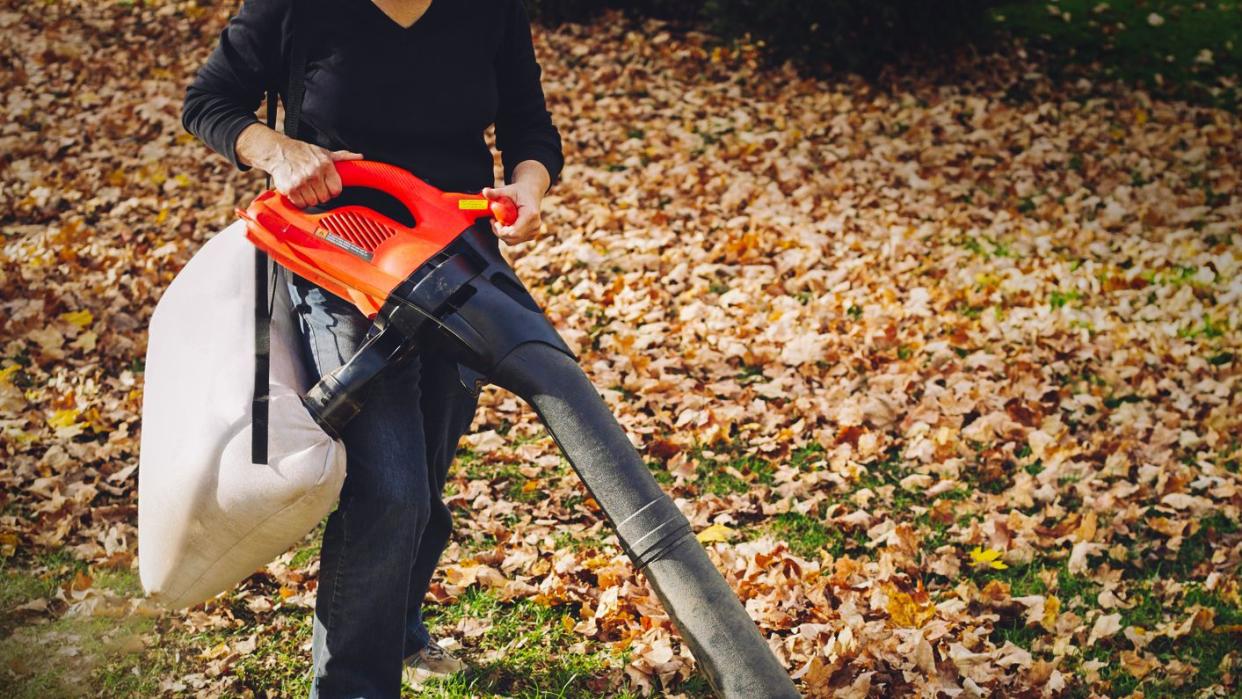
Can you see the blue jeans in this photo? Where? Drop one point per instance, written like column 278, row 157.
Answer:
column 383, row 541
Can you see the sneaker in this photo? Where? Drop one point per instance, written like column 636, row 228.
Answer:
column 431, row 661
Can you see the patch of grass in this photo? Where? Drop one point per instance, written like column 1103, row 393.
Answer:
column 1207, row 328
column 309, row 552
column 805, row 535
column 884, row 471
column 717, row 475
column 1198, row 547
column 659, row 472
column 1015, row 630
column 1184, row 48
column 577, row 541
column 62, row 657
column 935, row 534
column 529, row 644
column 38, row 577
column 1059, row 299
column 1075, row 589
column 20, row 585
column 1023, row 580
column 124, row 583
column 279, row 666
column 517, row 486
column 804, row 456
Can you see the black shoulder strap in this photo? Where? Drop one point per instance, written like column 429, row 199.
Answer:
column 262, row 297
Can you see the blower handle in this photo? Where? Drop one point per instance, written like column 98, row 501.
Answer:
column 418, row 196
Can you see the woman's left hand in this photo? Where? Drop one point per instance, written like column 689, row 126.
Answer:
column 530, row 181
column 528, row 222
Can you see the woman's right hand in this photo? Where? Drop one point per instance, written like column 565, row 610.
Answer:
column 302, row 171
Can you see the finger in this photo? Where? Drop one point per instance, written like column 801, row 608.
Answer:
column 304, row 191
column 319, row 188
column 522, row 235
column 520, row 238
column 513, row 235
column 524, row 221
column 345, row 155
column 296, row 198
column 333, row 181
column 535, row 226
column 494, row 193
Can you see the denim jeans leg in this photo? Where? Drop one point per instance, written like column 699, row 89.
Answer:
column 448, row 410
column 371, row 540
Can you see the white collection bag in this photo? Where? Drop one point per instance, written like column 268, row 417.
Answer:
column 207, row 516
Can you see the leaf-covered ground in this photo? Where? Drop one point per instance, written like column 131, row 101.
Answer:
column 945, row 375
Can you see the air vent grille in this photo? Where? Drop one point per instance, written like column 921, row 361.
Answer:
column 359, row 230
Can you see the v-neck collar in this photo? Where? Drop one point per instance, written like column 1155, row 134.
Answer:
column 388, row 19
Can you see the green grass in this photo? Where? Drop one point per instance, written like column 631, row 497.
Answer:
column 805, row 535
column 132, row 655
column 62, row 657
column 715, row 477
column 529, row 653
column 1167, row 54
column 1151, row 604
column 805, row 458
column 18, row 586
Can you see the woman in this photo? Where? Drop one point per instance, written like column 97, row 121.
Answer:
column 414, row 83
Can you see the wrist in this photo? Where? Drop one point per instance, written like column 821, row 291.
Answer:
column 533, row 177
column 260, row 146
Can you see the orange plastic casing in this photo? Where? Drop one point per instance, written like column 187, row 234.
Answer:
column 355, row 252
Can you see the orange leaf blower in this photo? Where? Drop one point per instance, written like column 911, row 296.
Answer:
column 442, row 286
column 355, row 252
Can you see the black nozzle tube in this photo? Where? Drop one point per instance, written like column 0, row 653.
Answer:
column 338, row 396
column 725, row 642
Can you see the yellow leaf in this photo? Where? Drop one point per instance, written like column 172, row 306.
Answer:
column 567, row 622
column 162, row 215
column 23, row 437
column 530, row 486
column 8, row 544
column 78, row 318
column 1052, row 606
column 987, row 558
column 1087, row 528
column 714, row 533
column 905, row 611
column 216, row 651
column 63, row 418
column 8, row 371
column 285, row 593
column 86, row 341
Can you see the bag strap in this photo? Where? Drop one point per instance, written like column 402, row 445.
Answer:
column 263, row 299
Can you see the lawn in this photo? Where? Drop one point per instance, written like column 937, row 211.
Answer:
column 1179, row 47
column 943, row 373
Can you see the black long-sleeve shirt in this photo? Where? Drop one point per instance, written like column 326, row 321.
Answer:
column 418, row 97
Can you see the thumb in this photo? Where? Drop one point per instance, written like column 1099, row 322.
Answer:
column 345, row 155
